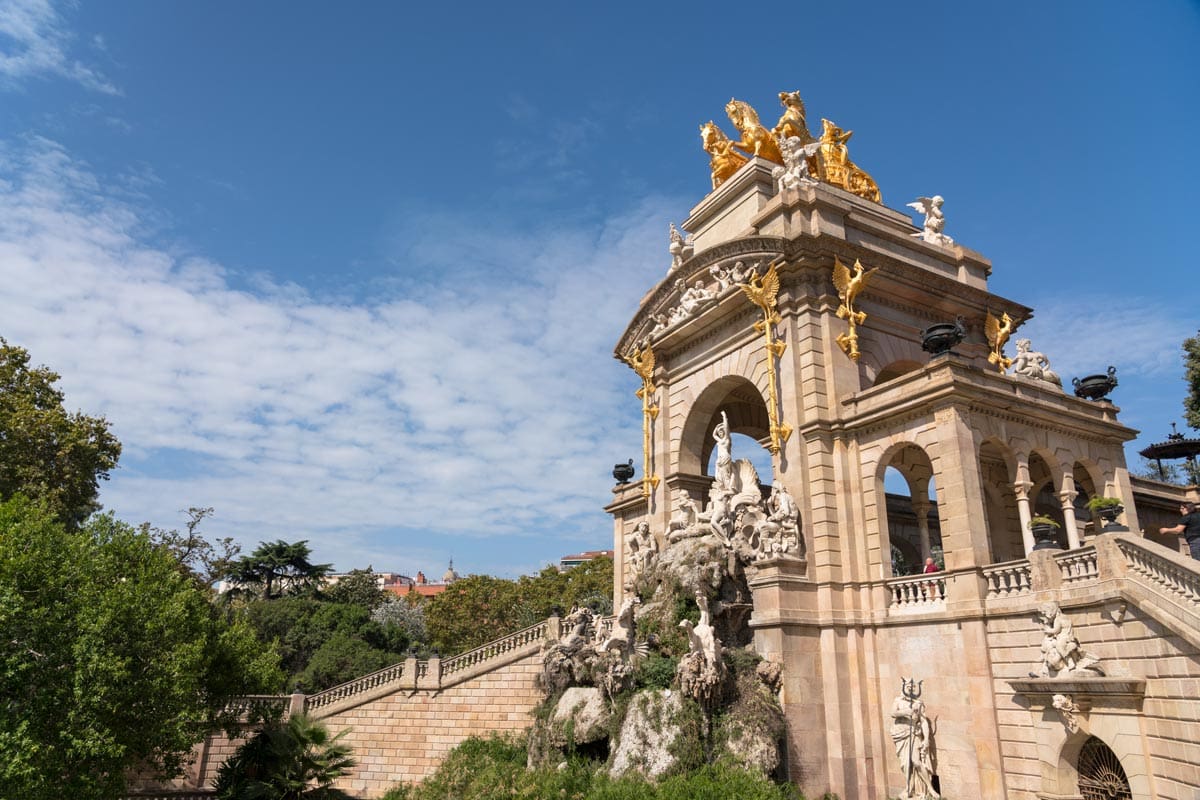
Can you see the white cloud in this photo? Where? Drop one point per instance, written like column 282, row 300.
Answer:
column 34, row 43
column 478, row 403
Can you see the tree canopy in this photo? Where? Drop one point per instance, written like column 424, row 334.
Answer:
column 113, row 657
column 45, row 452
column 278, row 568
column 1191, row 364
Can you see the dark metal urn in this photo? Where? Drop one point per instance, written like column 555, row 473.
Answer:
column 1109, row 515
column 623, row 472
column 1045, row 537
column 1095, row 387
column 941, row 338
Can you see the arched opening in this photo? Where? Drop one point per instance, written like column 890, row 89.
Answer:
column 1101, row 776
column 750, row 449
column 1086, row 487
column 913, row 526
column 1001, row 516
column 895, row 370
column 743, row 404
column 1043, row 497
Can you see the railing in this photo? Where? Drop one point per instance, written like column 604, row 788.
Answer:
column 1008, row 579
column 266, row 705
column 163, row 794
column 351, row 688
column 1179, row 578
column 1078, row 565
column 917, row 591
column 534, row 633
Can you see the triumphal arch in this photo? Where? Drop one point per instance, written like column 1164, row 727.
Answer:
column 866, row 354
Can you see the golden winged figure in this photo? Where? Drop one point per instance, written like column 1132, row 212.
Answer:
column 849, row 286
column 763, row 291
column 642, row 361
column 998, row 331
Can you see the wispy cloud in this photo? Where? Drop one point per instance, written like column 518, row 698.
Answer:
column 474, row 397
column 35, row 43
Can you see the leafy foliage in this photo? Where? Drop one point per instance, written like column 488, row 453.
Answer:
column 358, row 587
column 1191, row 364
column 322, row 644
column 207, row 561
column 477, row 609
column 277, row 568
column 287, row 761
column 484, row 769
column 112, row 656
column 408, row 616
column 46, row 453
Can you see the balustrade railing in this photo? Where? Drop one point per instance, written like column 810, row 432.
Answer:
column 1181, row 579
column 534, row 633
column 1008, row 579
column 916, row 591
column 354, row 687
column 1078, row 565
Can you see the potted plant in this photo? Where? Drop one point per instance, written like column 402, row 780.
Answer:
column 1045, row 533
column 1107, row 508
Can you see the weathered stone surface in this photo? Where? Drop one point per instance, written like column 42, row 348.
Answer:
column 651, row 726
column 581, row 716
column 752, row 729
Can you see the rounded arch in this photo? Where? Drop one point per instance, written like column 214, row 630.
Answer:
column 1094, row 763
column 1089, row 483
column 998, row 474
column 912, row 527
column 742, row 403
column 895, row 369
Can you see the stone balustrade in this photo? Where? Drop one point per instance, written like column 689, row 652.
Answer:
column 1177, row 574
column 1079, row 565
column 918, row 592
column 1009, row 579
column 494, row 649
column 383, row 677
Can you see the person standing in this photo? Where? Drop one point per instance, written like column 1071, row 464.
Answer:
column 1189, row 526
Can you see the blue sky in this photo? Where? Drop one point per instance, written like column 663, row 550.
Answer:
column 353, row 273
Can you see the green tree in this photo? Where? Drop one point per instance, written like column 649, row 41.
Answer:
column 287, row 761
column 45, row 452
column 358, row 587
column 1191, row 365
column 208, row 562
column 112, row 657
column 278, row 568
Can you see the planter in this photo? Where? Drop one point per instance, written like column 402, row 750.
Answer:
column 623, row 472
column 1109, row 516
column 1045, row 537
column 939, row 339
column 1095, row 387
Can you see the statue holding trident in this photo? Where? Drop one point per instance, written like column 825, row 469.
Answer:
column 912, row 734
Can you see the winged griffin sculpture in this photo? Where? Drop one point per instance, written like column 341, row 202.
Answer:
column 849, row 286
column 998, row 331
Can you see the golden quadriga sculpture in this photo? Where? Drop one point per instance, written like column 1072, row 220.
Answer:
column 831, row 163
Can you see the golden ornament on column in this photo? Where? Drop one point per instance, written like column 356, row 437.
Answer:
column 642, row 361
column 998, row 331
column 764, row 293
column 849, row 287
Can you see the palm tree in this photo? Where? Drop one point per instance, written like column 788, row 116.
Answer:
column 292, row 760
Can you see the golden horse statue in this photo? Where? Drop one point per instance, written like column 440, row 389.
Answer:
column 756, row 140
column 793, row 122
column 838, row 169
column 723, row 159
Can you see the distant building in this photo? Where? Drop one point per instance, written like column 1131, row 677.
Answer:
column 566, row 562
column 421, row 584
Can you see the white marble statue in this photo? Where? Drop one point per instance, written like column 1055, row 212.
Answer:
column 661, row 323
column 1061, row 654
column 643, row 549
column 724, row 477
column 779, row 534
column 740, row 273
column 683, row 523
column 691, row 299
column 796, row 155
column 702, row 671
column 720, row 514
column 1031, row 364
column 912, row 736
column 720, row 274
column 1067, row 709
column 935, row 220
column 681, row 249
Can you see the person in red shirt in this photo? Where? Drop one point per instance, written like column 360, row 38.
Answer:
column 930, row 566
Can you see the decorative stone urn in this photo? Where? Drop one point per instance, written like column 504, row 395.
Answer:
column 623, row 472
column 1109, row 515
column 1045, row 537
column 941, row 338
column 1095, row 387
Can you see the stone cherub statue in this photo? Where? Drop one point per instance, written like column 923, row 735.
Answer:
column 702, row 671
column 1061, row 653
column 797, row 163
column 680, row 248
column 1032, row 364
column 912, row 735
column 935, row 220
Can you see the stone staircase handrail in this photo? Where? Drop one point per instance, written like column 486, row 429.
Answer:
column 357, row 686
column 1078, row 565
column 1176, row 573
column 497, row 647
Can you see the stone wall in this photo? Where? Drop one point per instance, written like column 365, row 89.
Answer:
column 404, row 736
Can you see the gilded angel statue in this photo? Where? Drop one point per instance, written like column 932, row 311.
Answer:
column 998, row 331
column 642, row 361
column 935, row 220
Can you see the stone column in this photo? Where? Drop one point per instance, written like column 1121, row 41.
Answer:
column 1021, row 490
column 921, row 510
column 1067, row 497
